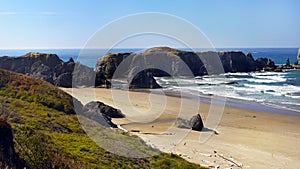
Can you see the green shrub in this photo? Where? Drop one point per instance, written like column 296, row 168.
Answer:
column 47, row 133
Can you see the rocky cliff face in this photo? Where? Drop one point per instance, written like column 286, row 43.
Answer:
column 165, row 61
column 233, row 61
column 50, row 68
column 8, row 156
column 138, row 68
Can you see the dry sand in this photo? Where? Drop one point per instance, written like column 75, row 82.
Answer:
column 245, row 139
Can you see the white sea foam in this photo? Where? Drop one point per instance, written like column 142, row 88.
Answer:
column 273, row 88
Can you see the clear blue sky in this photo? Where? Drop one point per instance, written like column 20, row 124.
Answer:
column 69, row 24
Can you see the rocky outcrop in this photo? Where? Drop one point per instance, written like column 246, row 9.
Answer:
column 50, row 68
column 165, row 61
column 101, row 113
column 265, row 64
column 143, row 79
column 8, row 157
column 298, row 58
column 196, row 123
column 233, row 61
column 138, row 68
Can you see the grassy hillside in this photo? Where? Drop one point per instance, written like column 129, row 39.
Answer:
column 47, row 133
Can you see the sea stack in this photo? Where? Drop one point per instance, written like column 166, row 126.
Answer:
column 298, row 60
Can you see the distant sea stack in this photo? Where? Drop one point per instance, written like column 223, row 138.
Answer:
column 140, row 68
column 298, row 60
column 171, row 60
column 49, row 67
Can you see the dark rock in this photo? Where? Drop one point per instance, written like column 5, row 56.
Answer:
column 8, row 157
column 237, row 61
column 196, row 123
column 265, row 64
column 287, row 63
column 50, row 68
column 230, row 83
column 64, row 80
column 41, row 71
column 143, row 79
column 227, row 83
column 107, row 64
column 71, row 60
column 101, row 113
column 172, row 63
column 104, row 109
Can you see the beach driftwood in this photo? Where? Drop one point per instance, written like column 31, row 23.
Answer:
column 231, row 161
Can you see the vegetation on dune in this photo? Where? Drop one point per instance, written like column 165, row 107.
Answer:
column 47, row 133
column 31, row 90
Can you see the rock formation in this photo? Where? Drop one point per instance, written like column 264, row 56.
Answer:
column 265, row 64
column 101, row 113
column 143, row 79
column 298, row 58
column 196, row 123
column 165, row 61
column 139, row 69
column 8, row 156
column 233, row 61
column 50, row 68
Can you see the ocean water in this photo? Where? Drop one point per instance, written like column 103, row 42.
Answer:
column 277, row 89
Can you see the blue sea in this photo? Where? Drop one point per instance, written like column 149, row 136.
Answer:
column 273, row 89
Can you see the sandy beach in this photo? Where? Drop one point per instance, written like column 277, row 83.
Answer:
column 245, row 139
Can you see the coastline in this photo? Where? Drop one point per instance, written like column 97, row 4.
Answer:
column 255, row 139
column 232, row 102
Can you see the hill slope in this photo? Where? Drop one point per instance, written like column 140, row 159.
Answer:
column 47, row 133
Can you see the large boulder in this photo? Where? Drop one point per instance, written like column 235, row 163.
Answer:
column 8, row 157
column 196, row 123
column 101, row 113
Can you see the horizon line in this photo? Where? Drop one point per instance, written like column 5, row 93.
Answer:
column 65, row 48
